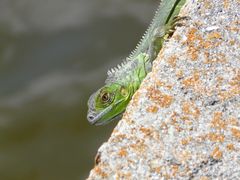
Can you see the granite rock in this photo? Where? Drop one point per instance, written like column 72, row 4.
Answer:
column 184, row 121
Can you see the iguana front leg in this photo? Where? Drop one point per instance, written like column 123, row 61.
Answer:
column 162, row 34
column 156, row 42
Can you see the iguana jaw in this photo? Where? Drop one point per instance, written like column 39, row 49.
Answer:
column 95, row 117
column 97, row 122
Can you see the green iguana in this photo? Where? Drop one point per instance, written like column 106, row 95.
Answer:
column 110, row 101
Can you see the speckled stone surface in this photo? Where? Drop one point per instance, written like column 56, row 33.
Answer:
column 184, row 121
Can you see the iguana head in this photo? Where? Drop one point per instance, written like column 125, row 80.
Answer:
column 108, row 103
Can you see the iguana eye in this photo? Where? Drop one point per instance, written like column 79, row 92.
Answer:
column 105, row 97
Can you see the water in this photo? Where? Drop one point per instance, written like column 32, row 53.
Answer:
column 53, row 55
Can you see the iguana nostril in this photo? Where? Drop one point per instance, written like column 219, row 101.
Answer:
column 90, row 117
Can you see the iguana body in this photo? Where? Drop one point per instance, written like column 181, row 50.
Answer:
column 110, row 101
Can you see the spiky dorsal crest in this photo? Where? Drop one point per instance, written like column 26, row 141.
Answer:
column 114, row 74
column 119, row 67
column 145, row 37
column 159, row 20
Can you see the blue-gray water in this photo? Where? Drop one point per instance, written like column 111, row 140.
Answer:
column 53, row 55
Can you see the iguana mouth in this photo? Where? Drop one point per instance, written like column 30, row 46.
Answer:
column 93, row 117
column 106, row 122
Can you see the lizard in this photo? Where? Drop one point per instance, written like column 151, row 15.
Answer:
column 110, row 101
